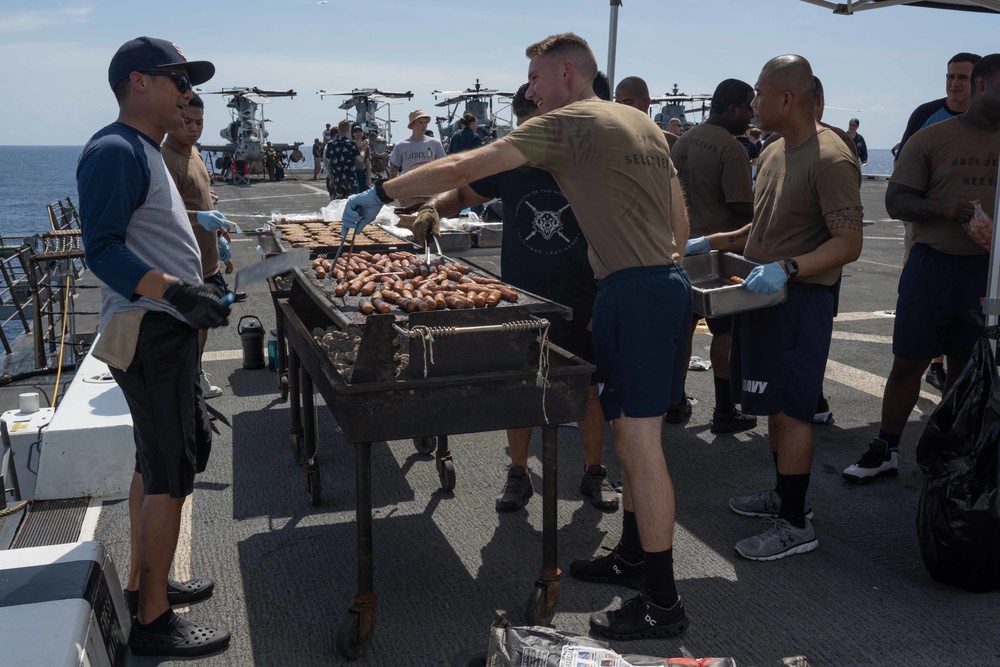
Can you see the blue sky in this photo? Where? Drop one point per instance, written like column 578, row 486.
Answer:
column 876, row 65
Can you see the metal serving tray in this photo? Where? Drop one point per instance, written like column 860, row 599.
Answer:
column 714, row 293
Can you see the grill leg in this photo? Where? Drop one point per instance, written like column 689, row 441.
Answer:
column 542, row 601
column 355, row 630
column 283, row 381
column 295, row 404
column 311, row 468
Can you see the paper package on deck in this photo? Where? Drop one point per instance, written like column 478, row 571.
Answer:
column 547, row 647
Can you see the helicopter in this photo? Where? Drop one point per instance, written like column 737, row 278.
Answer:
column 246, row 135
column 479, row 102
column 673, row 106
column 367, row 104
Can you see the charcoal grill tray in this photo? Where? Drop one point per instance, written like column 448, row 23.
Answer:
column 345, row 311
column 411, row 408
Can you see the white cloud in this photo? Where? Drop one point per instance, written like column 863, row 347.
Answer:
column 35, row 20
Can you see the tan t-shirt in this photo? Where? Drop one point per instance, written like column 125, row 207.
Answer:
column 613, row 164
column 948, row 160
column 795, row 189
column 191, row 177
column 671, row 139
column 714, row 169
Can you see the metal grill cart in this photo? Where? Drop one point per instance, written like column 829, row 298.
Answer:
column 468, row 371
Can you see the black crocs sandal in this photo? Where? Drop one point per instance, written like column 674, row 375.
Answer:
column 177, row 593
column 183, row 639
column 182, row 592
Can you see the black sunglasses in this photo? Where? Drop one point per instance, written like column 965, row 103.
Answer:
column 180, row 79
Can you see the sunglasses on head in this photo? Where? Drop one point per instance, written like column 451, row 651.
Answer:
column 180, row 79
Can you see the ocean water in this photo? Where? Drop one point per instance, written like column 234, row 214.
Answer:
column 30, row 178
column 879, row 162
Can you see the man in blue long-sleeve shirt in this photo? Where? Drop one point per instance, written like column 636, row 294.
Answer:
column 140, row 243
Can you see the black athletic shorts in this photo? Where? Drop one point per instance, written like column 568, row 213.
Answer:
column 642, row 322
column 217, row 280
column 777, row 359
column 173, row 438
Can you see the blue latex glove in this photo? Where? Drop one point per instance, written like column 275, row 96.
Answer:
column 698, row 246
column 225, row 253
column 360, row 210
column 212, row 220
column 766, row 279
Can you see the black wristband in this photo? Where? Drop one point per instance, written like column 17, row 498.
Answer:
column 380, row 192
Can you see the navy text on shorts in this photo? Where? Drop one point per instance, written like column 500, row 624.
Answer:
column 778, row 355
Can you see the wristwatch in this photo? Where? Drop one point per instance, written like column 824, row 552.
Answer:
column 791, row 268
column 380, row 191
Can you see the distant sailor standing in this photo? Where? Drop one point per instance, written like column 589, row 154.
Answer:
column 140, row 244
column 416, row 150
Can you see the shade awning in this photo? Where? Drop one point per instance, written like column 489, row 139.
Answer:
column 854, row 6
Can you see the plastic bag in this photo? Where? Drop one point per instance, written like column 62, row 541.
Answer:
column 537, row 646
column 980, row 227
column 958, row 519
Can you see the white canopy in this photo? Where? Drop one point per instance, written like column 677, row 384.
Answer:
column 853, row 6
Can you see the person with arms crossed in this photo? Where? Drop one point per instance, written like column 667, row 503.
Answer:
column 613, row 164
column 139, row 242
column 943, row 169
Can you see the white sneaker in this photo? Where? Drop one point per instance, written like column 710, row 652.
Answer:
column 208, row 389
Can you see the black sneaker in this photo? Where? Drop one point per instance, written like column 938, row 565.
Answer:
column 639, row 618
column 516, row 491
column 936, row 377
column 823, row 415
column 731, row 422
column 878, row 462
column 679, row 413
column 610, row 569
column 595, row 485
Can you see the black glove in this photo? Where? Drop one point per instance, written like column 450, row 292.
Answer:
column 199, row 304
column 427, row 223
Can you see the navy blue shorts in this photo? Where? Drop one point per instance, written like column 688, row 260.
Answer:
column 936, row 293
column 172, row 434
column 778, row 355
column 716, row 325
column 642, row 320
column 217, row 280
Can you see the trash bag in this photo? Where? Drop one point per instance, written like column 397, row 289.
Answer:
column 958, row 519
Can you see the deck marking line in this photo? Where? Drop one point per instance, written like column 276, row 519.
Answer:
column 222, row 355
column 869, row 383
column 314, row 188
column 891, row 266
column 862, row 315
column 89, row 526
column 862, row 338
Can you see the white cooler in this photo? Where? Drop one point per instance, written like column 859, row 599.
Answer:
column 61, row 606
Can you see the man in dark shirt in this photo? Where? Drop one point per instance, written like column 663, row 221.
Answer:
column 340, row 154
column 859, row 142
column 550, row 261
column 467, row 138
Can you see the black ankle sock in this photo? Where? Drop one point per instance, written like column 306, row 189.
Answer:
column 159, row 625
column 937, row 365
column 723, row 396
column 792, row 490
column 660, row 577
column 893, row 440
column 630, row 547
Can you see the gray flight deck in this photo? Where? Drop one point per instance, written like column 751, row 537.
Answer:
column 445, row 561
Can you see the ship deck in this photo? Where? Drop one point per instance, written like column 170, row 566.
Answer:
column 446, row 561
